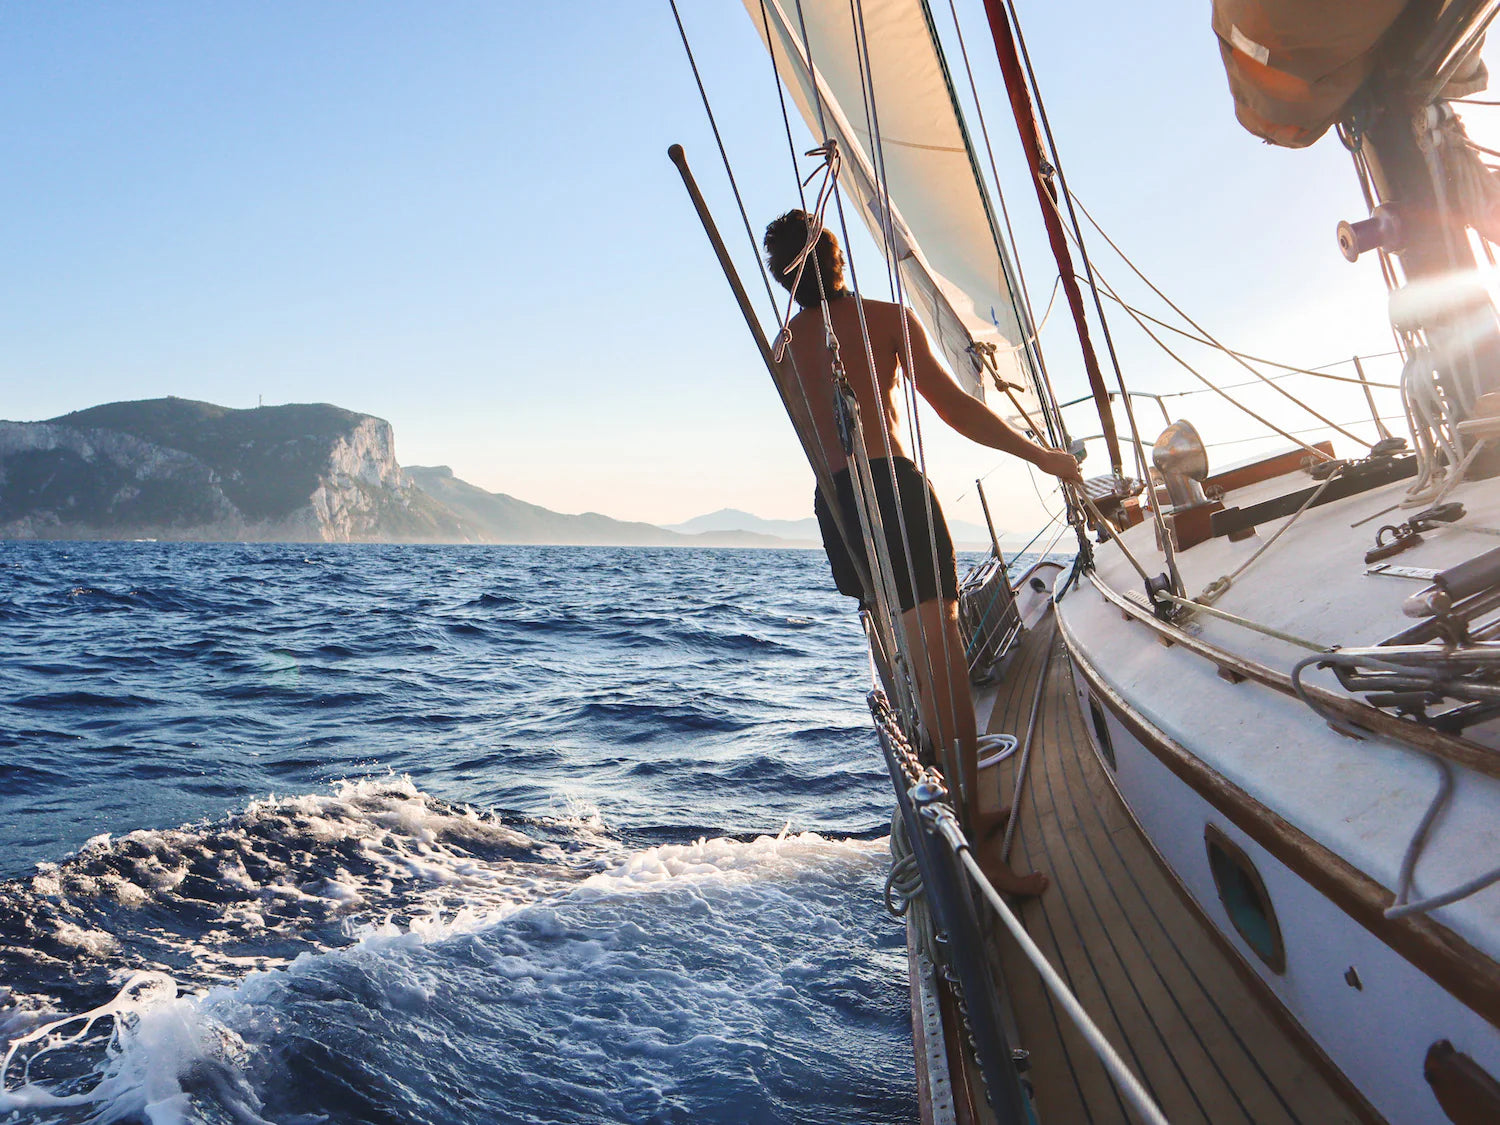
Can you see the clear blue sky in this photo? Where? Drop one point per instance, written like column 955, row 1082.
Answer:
column 460, row 217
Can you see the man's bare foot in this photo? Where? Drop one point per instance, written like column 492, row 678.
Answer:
column 1005, row 880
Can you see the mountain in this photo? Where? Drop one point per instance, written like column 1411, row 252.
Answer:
column 498, row 518
column 732, row 519
column 177, row 469
column 805, row 531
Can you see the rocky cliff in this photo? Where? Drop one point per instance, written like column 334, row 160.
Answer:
column 176, row 469
column 171, row 468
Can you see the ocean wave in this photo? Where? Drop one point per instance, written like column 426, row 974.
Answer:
column 381, row 950
column 714, row 981
column 283, row 876
column 75, row 700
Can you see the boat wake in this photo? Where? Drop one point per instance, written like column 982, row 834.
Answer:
column 378, row 954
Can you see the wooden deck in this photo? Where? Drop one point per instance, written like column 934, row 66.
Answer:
column 1204, row 1037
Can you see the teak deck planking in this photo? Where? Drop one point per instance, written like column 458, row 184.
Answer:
column 1164, row 989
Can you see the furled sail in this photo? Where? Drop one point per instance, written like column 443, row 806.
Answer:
column 954, row 265
column 1293, row 66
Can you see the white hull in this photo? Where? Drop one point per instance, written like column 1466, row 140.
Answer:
column 1323, row 818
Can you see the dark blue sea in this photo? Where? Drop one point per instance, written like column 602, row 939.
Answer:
column 399, row 834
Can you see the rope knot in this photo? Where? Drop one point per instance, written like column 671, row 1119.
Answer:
column 783, row 341
column 1215, row 590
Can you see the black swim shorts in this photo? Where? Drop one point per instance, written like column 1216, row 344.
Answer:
column 915, row 494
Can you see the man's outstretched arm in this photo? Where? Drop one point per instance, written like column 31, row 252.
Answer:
column 972, row 418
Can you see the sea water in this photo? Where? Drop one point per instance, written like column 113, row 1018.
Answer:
column 298, row 833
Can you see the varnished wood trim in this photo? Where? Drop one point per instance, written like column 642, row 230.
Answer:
column 1267, row 469
column 1464, row 972
column 1449, row 747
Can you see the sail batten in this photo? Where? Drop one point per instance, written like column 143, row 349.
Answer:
column 954, row 266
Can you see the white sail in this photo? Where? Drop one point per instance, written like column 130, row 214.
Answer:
column 954, row 266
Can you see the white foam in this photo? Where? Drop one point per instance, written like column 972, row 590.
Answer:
column 582, row 814
column 159, row 1038
column 152, row 1036
column 96, row 942
column 775, row 857
column 272, row 859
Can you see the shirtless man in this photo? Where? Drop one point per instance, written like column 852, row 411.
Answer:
column 929, row 603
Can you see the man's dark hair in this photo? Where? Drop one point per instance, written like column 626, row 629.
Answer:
column 785, row 238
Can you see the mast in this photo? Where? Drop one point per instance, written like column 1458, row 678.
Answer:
column 1394, row 127
column 1041, row 172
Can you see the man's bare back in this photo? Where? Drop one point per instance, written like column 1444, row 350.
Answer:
column 807, row 379
column 807, row 375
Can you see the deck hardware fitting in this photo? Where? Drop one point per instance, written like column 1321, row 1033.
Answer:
column 1403, row 537
column 1391, row 570
column 1452, row 748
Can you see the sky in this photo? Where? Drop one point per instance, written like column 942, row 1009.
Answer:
column 460, row 217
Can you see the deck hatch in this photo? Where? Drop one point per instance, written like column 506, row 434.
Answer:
column 1243, row 895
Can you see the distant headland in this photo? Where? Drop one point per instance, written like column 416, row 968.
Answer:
column 172, row 468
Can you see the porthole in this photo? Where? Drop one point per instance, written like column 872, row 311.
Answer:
column 1101, row 732
column 1243, row 893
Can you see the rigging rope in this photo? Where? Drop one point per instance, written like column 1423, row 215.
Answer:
column 1226, row 350
column 1290, row 369
column 1220, row 586
column 813, row 447
column 1012, row 53
column 786, row 118
column 1441, row 460
column 1306, row 430
column 984, row 131
column 821, row 468
column 1109, row 530
column 1243, row 622
column 1077, row 234
column 1034, row 336
column 1052, row 415
column 723, row 153
column 865, row 495
column 1401, row 905
column 888, row 237
column 1209, row 383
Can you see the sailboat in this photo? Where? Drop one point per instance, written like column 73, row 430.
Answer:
column 1254, row 729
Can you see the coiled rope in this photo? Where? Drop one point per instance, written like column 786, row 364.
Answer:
column 904, row 896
